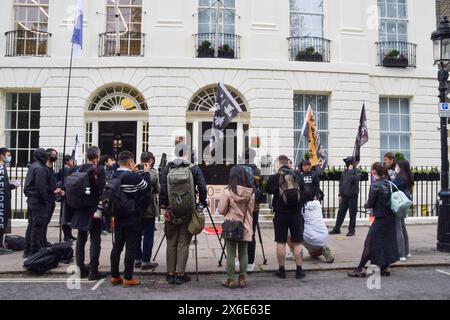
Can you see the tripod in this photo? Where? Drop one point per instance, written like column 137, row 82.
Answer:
column 258, row 229
column 195, row 242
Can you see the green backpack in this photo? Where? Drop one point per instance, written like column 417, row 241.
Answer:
column 181, row 191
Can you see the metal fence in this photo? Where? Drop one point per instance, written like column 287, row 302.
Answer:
column 27, row 43
column 396, row 54
column 311, row 49
column 229, row 45
column 425, row 193
column 131, row 44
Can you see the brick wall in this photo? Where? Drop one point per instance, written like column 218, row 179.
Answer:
column 442, row 9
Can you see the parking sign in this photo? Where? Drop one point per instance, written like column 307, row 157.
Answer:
column 444, row 110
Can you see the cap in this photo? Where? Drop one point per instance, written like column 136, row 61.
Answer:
column 349, row 160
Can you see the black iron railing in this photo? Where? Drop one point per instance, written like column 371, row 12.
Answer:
column 309, row 49
column 132, row 44
column 396, row 54
column 27, row 43
column 228, row 45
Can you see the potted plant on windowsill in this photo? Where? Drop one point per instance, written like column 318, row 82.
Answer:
column 395, row 59
column 226, row 52
column 309, row 54
column 204, row 50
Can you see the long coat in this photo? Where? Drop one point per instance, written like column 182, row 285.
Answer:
column 235, row 206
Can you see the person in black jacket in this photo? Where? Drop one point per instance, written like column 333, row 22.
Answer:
column 178, row 235
column 310, row 180
column 66, row 215
column 128, row 227
column 380, row 246
column 404, row 181
column 348, row 197
column 39, row 193
column 286, row 218
column 83, row 219
column 5, row 196
column 52, row 158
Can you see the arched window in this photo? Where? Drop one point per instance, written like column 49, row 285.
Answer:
column 118, row 98
column 205, row 99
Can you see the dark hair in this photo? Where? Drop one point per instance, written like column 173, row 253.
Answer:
column 238, row 177
column 124, row 157
column 147, row 156
column 390, row 156
column 4, row 151
column 67, row 158
column 380, row 169
column 50, row 150
column 93, row 153
column 283, row 160
column 104, row 159
column 405, row 173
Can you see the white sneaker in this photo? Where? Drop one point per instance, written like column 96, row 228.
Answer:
column 409, row 255
column 236, row 266
column 290, row 256
column 402, row 259
column 251, row 267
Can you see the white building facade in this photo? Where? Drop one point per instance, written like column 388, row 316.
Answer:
column 276, row 57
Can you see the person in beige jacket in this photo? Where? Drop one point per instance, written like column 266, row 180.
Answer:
column 237, row 203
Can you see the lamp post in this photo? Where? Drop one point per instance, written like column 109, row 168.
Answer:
column 441, row 49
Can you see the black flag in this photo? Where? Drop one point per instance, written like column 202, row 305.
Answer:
column 362, row 137
column 225, row 110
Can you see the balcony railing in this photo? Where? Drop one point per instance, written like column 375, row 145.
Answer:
column 396, row 54
column 27, row 43
column 132, row 44
column 309, row 49
column 229, row 45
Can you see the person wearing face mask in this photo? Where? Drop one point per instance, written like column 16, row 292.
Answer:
column 52, row 158
column 5, row 196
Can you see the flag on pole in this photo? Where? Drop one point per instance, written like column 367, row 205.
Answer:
column 77, row 36
column 362, row 137
column 75, row 149
column 317, row 155
column 225, row 110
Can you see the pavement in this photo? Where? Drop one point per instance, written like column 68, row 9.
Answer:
column 347, row 252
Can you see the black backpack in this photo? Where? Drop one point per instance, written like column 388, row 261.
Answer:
column 64, row 250
column 15, row 243
column 42, row 261
column 76, row 186
column 115, row 202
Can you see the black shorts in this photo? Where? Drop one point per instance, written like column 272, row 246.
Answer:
column 284, row 222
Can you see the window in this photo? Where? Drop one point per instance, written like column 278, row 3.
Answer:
column 306, row 18
column 118, row 98
column 130, row 27
column 22, row 126
column 393, row 20
column 145, row 136
column 394, row 126
column 319, row 105
column 207, row 16
column 87, row 137
column 31, row 25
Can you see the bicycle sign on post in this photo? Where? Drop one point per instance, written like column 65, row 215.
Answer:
column 444, row 110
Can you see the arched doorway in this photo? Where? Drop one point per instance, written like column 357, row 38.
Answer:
column 198, row 126
column 117, row 120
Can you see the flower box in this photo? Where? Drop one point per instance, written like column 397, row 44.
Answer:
column 304, row 56
column 392, row 62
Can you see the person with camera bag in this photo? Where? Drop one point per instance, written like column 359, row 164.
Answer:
column 83, row 190
column 129, row 194
column 179, row 180
column 236, row 204
column 287, row 204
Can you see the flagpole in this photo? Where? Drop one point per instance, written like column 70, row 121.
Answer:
column 64, row 143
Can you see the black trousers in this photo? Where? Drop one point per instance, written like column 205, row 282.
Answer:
column 128, row 233
column 252, row 245
column 95, row 233
column 51, row 210
column 37, row 221
column 350, row 204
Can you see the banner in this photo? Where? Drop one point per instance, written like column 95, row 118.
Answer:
column 317, row 155
column 362, row 137
column 3, row 204
column 75, row 150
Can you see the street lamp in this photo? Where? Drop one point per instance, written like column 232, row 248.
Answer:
column 441, row 50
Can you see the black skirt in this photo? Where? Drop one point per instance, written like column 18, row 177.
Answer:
column 383, row 241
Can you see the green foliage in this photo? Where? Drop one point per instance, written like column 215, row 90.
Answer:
column 206, row 44
column 399, row 156
column 394, row 54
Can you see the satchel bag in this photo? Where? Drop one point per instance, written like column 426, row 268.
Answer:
column 234, row 230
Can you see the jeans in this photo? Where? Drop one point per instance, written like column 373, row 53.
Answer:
column 127, row 233
column 252, row 244
column 347, row 204
column 95, row 233
column 37, row 220
column 178, row 241
column 242, row 247
column 144, row 250
column 402, row 237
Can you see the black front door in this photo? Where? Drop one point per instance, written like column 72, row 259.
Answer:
column 117, row 136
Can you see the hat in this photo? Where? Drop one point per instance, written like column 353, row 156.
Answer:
column 67, row 157
column 349, row 160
